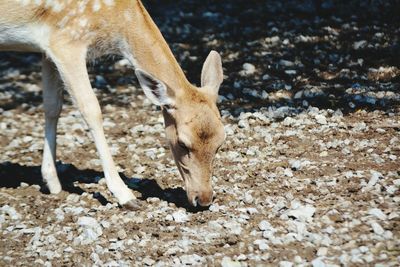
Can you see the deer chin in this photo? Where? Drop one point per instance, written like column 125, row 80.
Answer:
column 198, row 196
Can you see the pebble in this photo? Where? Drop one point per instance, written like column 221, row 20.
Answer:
column 286, row 63
column 323, row 251
column 377, row 228
column 228, row 262
column 100, row 81
column 248, row 69
column 304, row 213
column 359, row 44
column 191, row 260
column 321, row 119
column 234, row 227
column 297, row 259
column 262, row 244
column 377, row 213
column 318, row 263
column 91, row 230
column 148, row 261
column 285, row 264
column 375, row 176
column 11, row 212
column 122, row 234
column 264, row 225
column 248, row 198
column 180, row 216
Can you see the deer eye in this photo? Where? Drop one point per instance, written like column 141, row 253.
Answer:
column 183, row 146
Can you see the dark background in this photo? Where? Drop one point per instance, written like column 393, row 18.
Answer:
column 327, row 67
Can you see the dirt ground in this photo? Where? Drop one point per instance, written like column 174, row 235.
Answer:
column 309, row 174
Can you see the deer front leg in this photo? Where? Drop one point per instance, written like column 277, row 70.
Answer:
column 71, row 63
column 52, row 103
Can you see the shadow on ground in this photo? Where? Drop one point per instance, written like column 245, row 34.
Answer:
column 13, row 174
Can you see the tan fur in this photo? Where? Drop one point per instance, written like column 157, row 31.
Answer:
column 89, row 28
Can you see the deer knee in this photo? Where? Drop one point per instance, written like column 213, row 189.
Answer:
column 91, row 112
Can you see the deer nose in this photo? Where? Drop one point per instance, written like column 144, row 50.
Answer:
column 203, row 199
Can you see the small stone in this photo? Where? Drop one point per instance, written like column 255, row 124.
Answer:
column 295, row 165
column 180, row 216
column 248, row 198
column 10, row 211
column 377, row 213
column 321, row 119
column 243, row 124
column 318, row 263
column 291, row 72
column 228, row 262
column 324, row 154
column 241, row 257
column 264, row 225
column 288, row 173
column 272, row 40
column 323, row 251
column 302, row 213
column 59, row 214
column 23, row 185
column 286, row 63
column 377, row 228
column 297, row 259
column 234, row 227
column 27, row 139
column 369, row 258
column 375, row 176
column 94, row 257
column 148, row 261
column 285, row 264
column 121, row 234
column 214, row 225
column 87, row 221
column 360, row 44
column 266, row 77
column 99, row 81
column 262, row 244
column 248, row 69
column 91, row 230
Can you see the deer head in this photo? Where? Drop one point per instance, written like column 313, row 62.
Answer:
column 193, row 125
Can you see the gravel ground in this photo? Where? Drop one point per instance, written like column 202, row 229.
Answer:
column 309, row 174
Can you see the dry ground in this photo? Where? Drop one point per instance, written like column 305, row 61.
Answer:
column 308, row 176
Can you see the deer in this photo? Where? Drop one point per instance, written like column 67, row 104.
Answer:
column 68, row 34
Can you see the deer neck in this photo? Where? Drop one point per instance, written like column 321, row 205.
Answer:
column 149, row 50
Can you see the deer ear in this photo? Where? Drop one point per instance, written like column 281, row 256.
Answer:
column 212, row 74
column 154, row 89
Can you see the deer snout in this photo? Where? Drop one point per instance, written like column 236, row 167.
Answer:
column 202, row 199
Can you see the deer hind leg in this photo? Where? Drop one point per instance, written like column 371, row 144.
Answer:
column 71, row 63
column 52, row 103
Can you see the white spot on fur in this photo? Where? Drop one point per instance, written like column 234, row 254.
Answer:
column 109, row 2
column 96, row 5
column 38, row 2
column 63, row 22
column 83, row 22
column 24, row 2
column 127, row 16
column 55, row 5
column 82, row 6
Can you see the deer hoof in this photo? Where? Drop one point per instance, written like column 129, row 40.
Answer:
column 132, row 205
